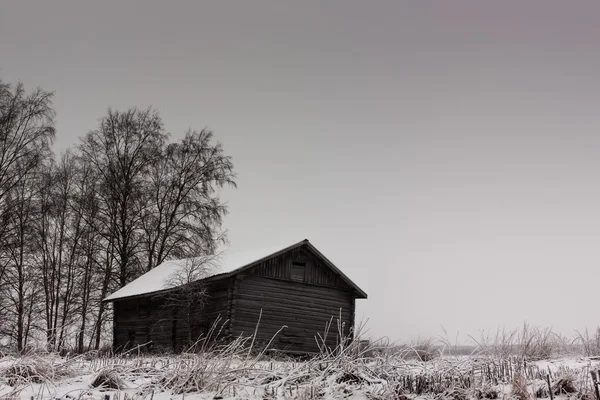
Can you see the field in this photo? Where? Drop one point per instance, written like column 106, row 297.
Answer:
column 510, row 367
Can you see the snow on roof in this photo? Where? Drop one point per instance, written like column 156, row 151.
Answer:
column 165, row 275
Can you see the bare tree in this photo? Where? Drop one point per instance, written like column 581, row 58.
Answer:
column 60, row 236
column 26, row 132
column 184, row 213
column 121, row 151
column 21, row 289
column 120, row 203
column 187, row 294
column 89, row 278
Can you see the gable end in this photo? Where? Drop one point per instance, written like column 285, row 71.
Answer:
column 303, row 264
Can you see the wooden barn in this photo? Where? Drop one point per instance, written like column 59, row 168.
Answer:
column 264, row 290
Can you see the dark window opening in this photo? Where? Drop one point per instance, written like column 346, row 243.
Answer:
column 298, row 269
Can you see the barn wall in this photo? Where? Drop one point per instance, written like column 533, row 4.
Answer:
column 142, row 320
column 130, row 326
column 215, row 314
column 304, row 308
column 148, row 319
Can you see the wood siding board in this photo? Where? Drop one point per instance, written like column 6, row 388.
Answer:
column 313, row 289
column 294, row 294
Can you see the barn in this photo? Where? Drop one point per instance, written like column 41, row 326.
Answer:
column 293, row 298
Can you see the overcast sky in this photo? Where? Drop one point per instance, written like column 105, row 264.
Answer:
column 445, row 154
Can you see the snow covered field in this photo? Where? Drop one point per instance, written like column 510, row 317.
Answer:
column 234, row 376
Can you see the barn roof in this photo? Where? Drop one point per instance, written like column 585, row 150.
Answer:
column 165, row 275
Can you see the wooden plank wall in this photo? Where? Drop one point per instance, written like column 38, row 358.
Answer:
column 316, row 272
column 305, row 310
column 141, row 320
column 216, row 311
column 146, row 319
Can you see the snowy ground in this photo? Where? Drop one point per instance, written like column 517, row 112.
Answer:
column 238, row 377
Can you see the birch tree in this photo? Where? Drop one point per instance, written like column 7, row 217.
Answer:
column 26, row 132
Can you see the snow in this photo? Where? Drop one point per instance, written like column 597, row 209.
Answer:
column 163, row 275
column 149, row 377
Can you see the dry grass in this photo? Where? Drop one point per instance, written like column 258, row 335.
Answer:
column 520, row 389
column 529, row 343
column 208, row 371
column 35, row 369
column 424, row 350
column 487, row 391
column 378, row 369
column 108, row 379
column 541, row 390
column 540, row 343
column 566, row 384
column 590, row 343
column 229, row 371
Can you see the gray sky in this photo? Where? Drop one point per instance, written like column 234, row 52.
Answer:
column 444, row 154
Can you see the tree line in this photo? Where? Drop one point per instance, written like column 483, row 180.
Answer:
column 77, row 226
